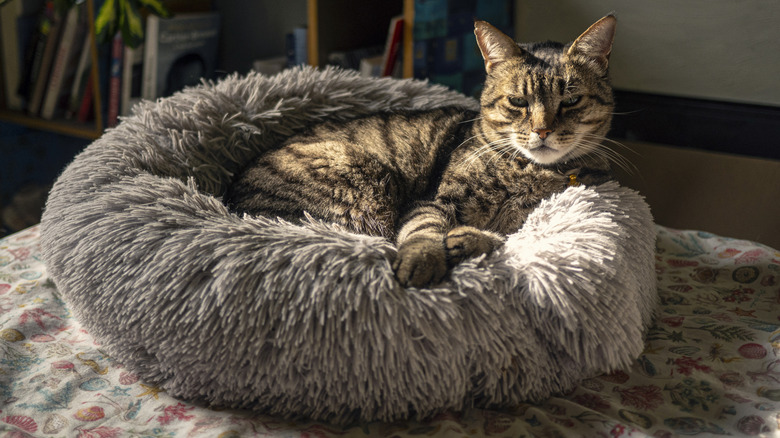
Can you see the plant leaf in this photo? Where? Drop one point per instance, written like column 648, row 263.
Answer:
column 156, row 7
column 106, row 21
column 124, row 16
column 131, row 24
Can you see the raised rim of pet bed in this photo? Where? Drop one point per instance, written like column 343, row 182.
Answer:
column 308, row 319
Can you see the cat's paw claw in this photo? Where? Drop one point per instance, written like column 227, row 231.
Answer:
column 465, row 242
column 420, row 264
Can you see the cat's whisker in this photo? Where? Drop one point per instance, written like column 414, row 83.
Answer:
column 469, row 139
column 515, row 154
column 625, row 113
column 479, row 117
column 497, row 152
column 503, row 151
column 492, row 146
column 466, row 141
column 602, row 138
column 598, row 149
column 627, row 165
column 605, row 152
column 482, row 149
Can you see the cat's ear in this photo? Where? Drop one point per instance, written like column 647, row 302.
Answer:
column 496, row 46
column 596, row 42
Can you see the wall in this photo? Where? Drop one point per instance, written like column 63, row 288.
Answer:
column 713, row 49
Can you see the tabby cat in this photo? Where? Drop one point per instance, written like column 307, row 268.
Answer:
column 449, row 184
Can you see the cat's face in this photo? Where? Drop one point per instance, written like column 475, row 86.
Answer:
column 547, row 101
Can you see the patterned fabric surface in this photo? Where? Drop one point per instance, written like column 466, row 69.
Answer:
column 711, row 365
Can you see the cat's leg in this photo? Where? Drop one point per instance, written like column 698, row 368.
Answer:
column 421, row 258
column 464, row 242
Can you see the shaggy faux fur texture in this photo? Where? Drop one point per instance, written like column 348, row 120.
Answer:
column 308, row 320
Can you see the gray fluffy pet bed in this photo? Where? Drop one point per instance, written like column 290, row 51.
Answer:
column 308, row 320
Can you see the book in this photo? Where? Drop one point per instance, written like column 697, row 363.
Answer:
column 297, row 47
column 151, row 44
column 132, row 77
column 86, row 105
column 100, row 91
column 270, row 66
column 371, row 67
column 33, row 54
column 351, row 59
column 115, row 80
column 80, row 77
column 179, row 52
column 27, row 32
column 15, row 19
column 393, row 47
column 64, row 65
column 42, row 76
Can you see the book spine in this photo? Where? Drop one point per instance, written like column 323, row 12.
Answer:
column 149, row 83
column 132, row 78
column 85, row 108
column 127, row 80
column 80, row 78
column 296, row 47
column 301, row 45
column 115, row 81
column 43, row 73
column 9, row 49
column 393, row 45
column 51, row 97
column 371, row 67
column 45, row 29
column 289, row 49
column 32, row 61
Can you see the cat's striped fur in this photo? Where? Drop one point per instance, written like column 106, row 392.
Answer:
column 449, row 184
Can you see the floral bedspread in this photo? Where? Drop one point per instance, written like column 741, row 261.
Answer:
column 711, row 365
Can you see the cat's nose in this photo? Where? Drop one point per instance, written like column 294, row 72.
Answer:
column 542, row 132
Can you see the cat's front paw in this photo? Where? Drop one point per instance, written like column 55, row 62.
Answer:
column 465, row 242
column 420, row 263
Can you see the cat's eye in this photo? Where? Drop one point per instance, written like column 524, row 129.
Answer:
column 518, row 102
column 570, row 101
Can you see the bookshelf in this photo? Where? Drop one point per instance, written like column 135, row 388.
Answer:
column 73, row 128
column 437, row 44
column 333, row 25
column 96, row 125
column 408, row 41
column 341, row 25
